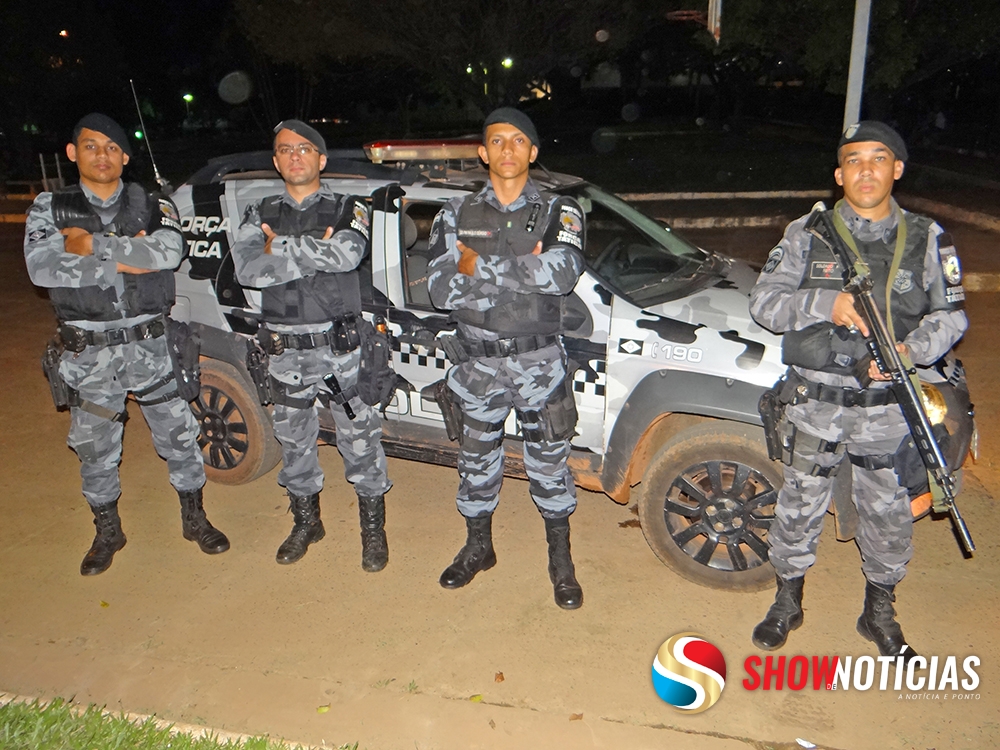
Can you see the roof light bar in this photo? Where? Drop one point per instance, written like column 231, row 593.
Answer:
column 423, row 150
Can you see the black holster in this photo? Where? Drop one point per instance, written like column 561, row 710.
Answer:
column 257, row 367
column 377, row 381
column 457, row 353
column 555, row 421
column 451, row 409
column 779, row 432
column 61, row 393
column 184, row 346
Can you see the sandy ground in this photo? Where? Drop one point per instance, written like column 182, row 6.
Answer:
column 240, row 643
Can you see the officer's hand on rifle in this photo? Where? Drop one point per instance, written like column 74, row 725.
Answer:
column 78, row 241
column 875, row 374
column 845, row 314
column 467, row 263
column 538, row 249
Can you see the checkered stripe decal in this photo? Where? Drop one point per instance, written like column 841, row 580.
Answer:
column 420, row 355
column 592, row 383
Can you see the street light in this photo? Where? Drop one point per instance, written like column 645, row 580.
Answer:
column 188, row 98
column 507, row 62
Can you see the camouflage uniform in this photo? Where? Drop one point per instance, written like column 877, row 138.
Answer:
column 885, row 521
column 489, row 386
column 303, row 370
column 105, row 374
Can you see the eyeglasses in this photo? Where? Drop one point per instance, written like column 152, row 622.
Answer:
column 303, row 149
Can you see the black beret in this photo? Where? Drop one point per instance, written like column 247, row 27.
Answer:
column 515, row 117
column 306, row 131
column 873, row 130
column 106, row 126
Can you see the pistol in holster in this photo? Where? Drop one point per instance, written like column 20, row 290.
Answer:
column 62, row 394
column 257, row 367
column 555, row 420
column 779, row 432
column 451, row 409
column 184, row 346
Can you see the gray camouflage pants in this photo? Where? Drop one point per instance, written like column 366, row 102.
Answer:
column 488, row 389
column 885, row 523
column 358, row 440
column 105, row 375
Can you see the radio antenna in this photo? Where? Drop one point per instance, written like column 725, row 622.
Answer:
column 164, row 185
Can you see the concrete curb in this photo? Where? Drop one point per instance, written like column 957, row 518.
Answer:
column 192, row 730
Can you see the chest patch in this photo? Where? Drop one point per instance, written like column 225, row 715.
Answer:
column 481, row 233
column 903, row 281
column 825, row 269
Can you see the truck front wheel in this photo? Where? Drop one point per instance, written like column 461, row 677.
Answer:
column 706, row 503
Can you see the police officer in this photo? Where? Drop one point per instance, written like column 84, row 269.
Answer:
column 302, row 248
column 830, row 418
column 505, row 258
column 105, row 250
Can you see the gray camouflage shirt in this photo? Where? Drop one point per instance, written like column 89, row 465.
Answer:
column 291, row 257
column 497, row 280
column 50, row 266
column 778, row 304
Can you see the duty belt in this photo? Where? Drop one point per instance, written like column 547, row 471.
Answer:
column 342, row 337
column 77, row 339
column 507, row 347
column 803, row 390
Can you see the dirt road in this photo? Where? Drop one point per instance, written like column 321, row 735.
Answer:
column 242, row 644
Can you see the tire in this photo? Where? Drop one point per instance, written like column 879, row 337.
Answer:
column 236, row 437
column 706, row 503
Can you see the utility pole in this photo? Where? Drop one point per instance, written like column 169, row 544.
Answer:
column 856, row 73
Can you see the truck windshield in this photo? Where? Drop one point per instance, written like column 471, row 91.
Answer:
column 639, row 258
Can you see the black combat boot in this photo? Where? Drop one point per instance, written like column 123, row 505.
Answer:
column 374, row 546
column 108, row 540
column 784, row 615
column 197, row 527
column 878, row 622
column 476, row 555
column 308, row 528
column 568, row 593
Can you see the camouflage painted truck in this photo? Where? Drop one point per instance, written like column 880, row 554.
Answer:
column 670, row 364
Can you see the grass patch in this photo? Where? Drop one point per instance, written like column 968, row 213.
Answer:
column 61, row 726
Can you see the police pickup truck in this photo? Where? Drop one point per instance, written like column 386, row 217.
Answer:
column 670, row 364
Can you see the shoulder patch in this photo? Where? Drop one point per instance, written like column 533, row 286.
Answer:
column 359, row 221
column 773, row 259
column 168, row 209
column 952, row 269
column 570, row 227
column 251, row 212
column 38, row 234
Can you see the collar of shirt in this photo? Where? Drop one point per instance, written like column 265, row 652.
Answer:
column 309, row 200
column 97, row 201
column 529, row 192
column 867, row 230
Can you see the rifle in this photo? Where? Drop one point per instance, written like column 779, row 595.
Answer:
column 882, row 347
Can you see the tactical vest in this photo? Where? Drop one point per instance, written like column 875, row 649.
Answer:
column 834, row 349
column 508, row 235
column 144, row 294
column 323, row 296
